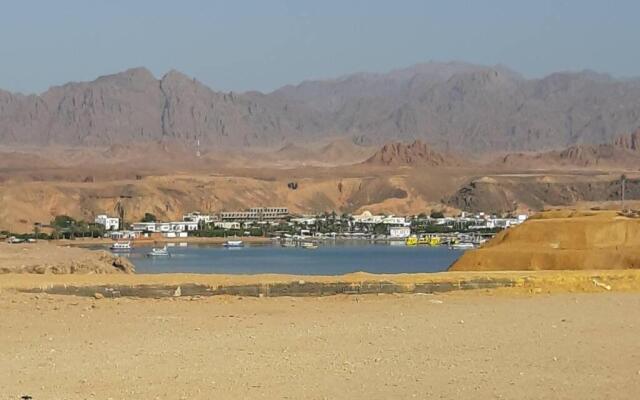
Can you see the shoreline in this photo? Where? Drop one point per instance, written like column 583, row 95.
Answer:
column 151, row 241
column 271, row 285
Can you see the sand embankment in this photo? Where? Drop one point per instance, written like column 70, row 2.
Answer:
column 272, row 285
column 47, row 258
column 561, row 240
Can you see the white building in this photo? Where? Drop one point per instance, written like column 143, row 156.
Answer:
column 304, row 220
column 367, row 218
column 165, row 227
column 109, row 223
column 399, row 232
column 227, row 225
column 398, row 221
column 255, row 214
column 197, row 217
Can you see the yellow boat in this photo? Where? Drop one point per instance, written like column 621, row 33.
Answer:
column 431, row 240
column 411, row 241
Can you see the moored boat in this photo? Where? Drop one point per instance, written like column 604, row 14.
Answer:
column 159, row 252
column 234, row 243
column 121, row 246
column 463, row 246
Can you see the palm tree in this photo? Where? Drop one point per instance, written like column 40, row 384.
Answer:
column 120, row 210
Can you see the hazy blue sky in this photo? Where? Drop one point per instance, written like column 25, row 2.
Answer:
column 263, row 44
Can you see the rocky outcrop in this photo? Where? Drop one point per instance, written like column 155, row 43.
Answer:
column 628, row 142
column 623, row 152
column 412, row 154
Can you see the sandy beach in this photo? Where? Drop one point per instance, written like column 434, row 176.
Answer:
column 477, row 344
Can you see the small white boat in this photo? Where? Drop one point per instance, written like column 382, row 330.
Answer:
column 308, row 245
column 463, row 246
column 234, row 243
column 121, row 246
column 159, row 252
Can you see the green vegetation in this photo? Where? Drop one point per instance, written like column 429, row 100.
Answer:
column 65, row 227
column 148, row 217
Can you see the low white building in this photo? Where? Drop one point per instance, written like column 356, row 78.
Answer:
column 398, row 221
column 304, row 220
column 165, row 227
column 197, row 217
column 227, row 225
column 367, row 218
column 109, row 223
column 399, row 232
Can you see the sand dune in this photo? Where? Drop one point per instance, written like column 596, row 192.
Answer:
column 561, row 240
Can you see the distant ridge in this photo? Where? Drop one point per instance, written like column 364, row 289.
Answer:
column 460, row 107
column 623, row 151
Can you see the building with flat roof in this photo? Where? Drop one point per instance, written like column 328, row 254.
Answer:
column 165, row 227
column 198, row 217
column 109, row 223
column 255, row 214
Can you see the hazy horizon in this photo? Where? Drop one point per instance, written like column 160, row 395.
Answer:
column 251, row 45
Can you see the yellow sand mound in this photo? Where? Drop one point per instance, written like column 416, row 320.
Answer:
column 561, row 240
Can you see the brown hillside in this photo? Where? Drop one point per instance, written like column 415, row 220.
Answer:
column 622, row 152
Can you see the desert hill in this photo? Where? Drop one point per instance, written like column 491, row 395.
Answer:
column 621, row 152
column 411, row 154
column 453, row 106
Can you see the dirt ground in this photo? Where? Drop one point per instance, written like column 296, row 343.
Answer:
column 484, row 345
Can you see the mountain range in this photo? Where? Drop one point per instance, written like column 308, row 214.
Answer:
column 455, row 107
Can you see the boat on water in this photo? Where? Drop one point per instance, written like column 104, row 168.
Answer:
column 159, row 252
column 411, row 241
column 233, row 243
column 463, row 246
column 308, row 245
column 121, row 246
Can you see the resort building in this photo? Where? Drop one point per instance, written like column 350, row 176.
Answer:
column 109, row 223
column 227, row 225
column 255, row 214
column 165, row 227
column 199, row 218
column 367, row 218
column 399, row 232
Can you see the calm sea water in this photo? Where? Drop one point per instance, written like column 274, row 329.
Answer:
column 332, row 259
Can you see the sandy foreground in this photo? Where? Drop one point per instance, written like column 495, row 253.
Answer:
column 475, row 344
